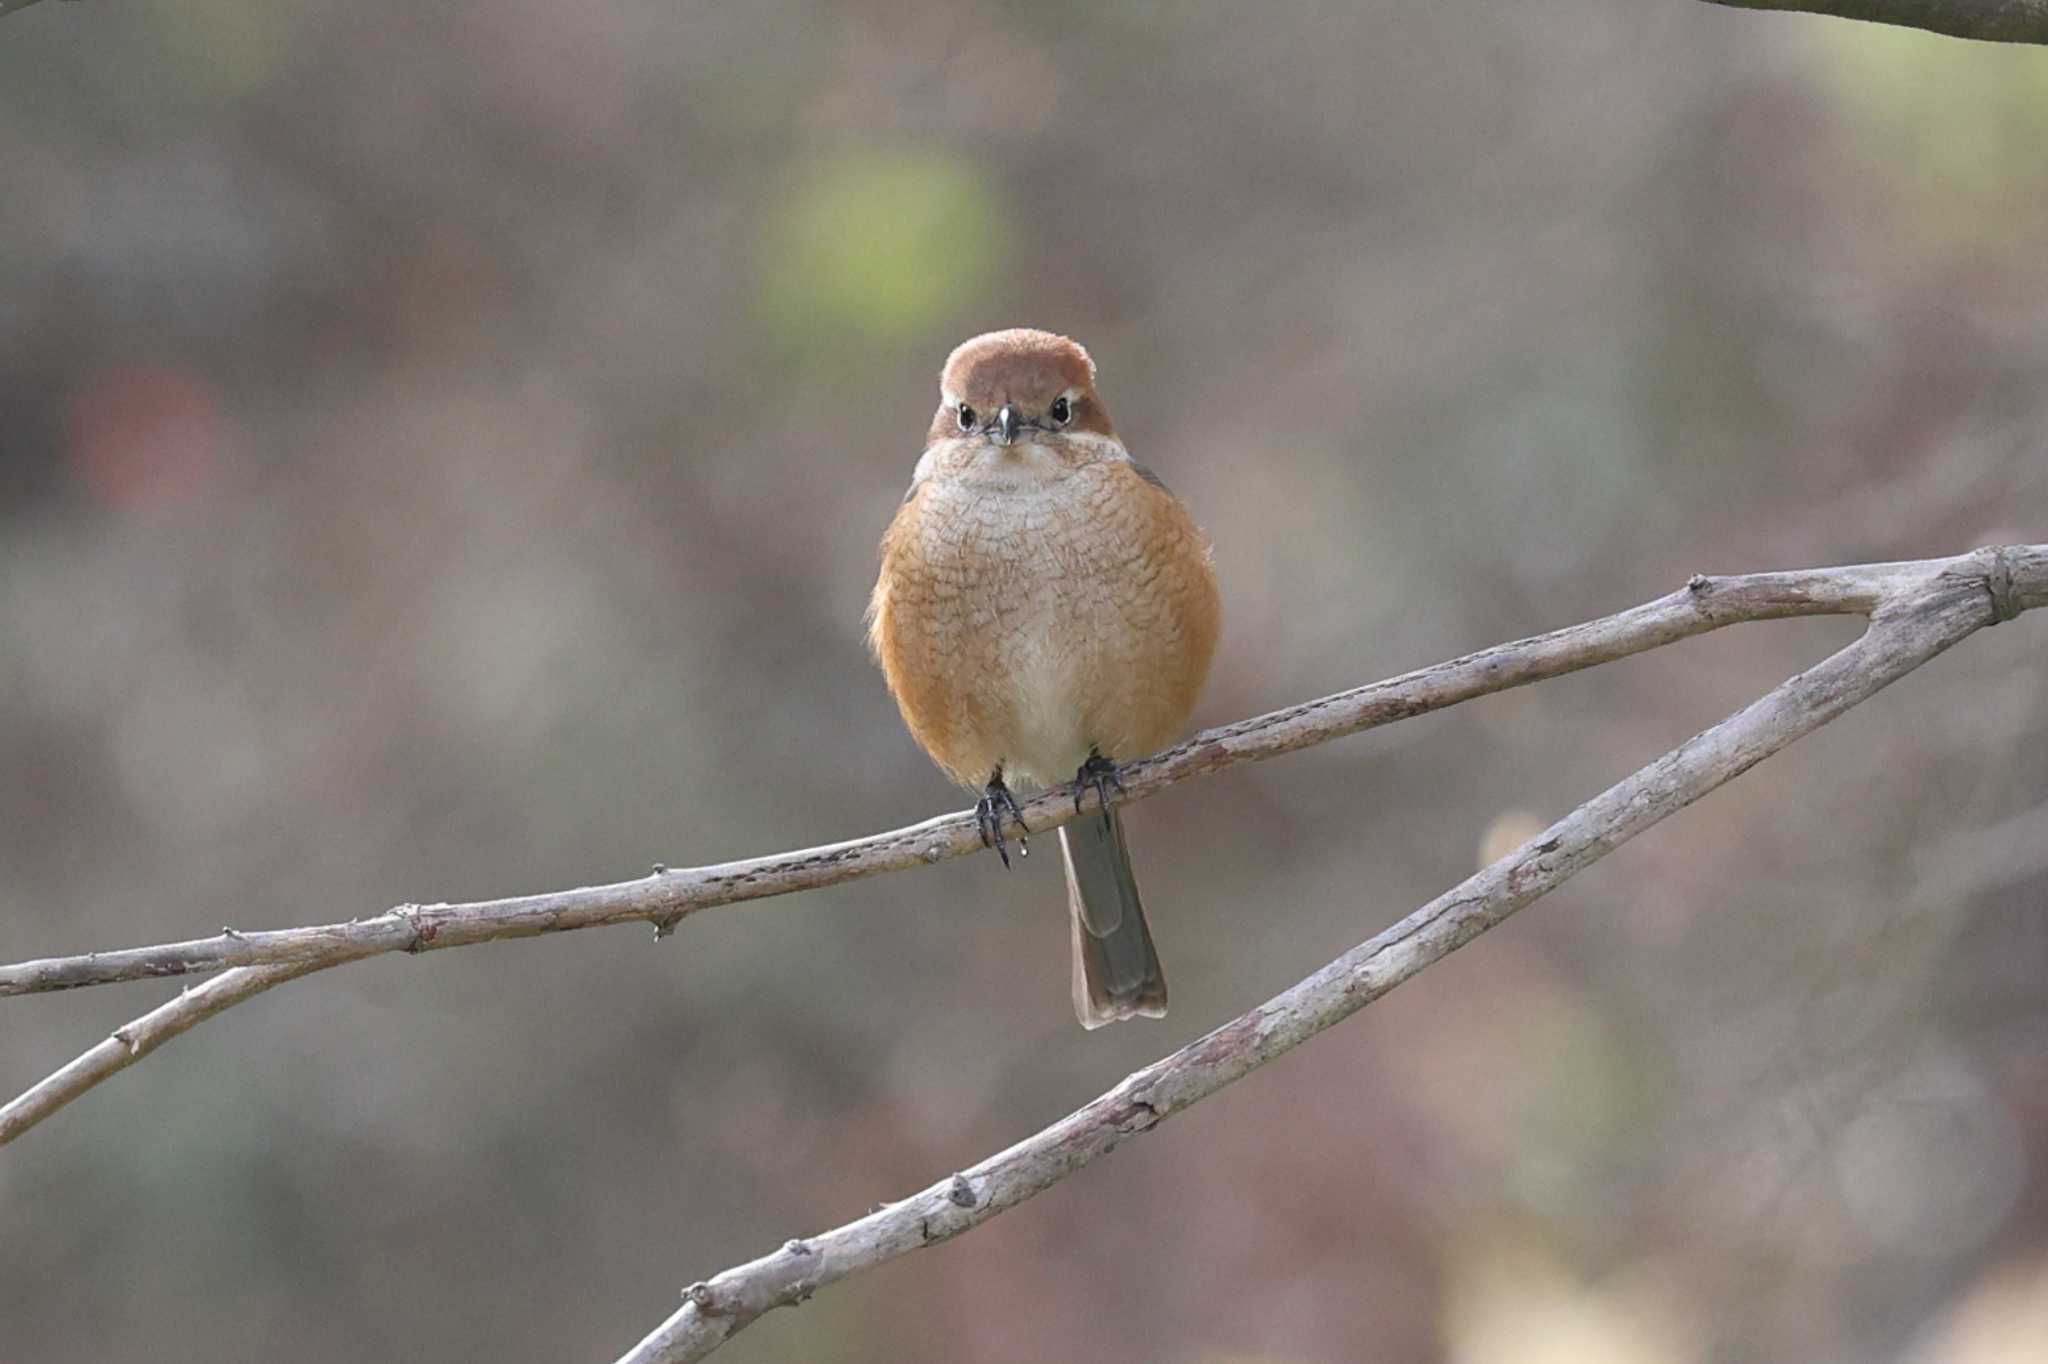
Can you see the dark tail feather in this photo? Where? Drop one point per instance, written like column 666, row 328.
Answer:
column 1116, row 970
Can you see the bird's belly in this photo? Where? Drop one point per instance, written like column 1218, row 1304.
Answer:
column 1024, row 631
column 1043, row 668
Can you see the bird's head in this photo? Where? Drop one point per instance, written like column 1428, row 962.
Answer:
column 1019, row 388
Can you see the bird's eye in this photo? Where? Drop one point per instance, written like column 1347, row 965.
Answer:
column 966, row 415
column 1061, row 410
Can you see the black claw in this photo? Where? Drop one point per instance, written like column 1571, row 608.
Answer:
column 1100, row 773
column 995, row 802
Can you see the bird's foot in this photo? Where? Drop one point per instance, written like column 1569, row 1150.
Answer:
column 996, row 801
column 1101, row 774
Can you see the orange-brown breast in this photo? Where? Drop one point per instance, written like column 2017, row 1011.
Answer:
column 1021, row 627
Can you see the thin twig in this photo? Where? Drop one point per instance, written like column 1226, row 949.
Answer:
column 1907, row 629
column 133, row 1041
column 1991, row 21
column 2006, row 580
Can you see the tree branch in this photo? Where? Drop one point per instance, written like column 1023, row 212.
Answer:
column 133, row 1041
column 1907, row 628
column 669, row 894
column 1991, row 21
column 2002, row 581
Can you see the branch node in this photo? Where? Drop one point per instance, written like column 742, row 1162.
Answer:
column 1998, row 582
column 1698, row 583
column 660, row 869
column 128, row 1040
column 797, row 1247
column 665, row 928
column 698, row 1295
column 229, row 931
column 1145, row 1116
column 422, row 931
column 960, row 1193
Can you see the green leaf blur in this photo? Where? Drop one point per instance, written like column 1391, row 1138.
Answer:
column 876, row 247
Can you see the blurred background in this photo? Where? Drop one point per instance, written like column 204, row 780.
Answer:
column 442, row 451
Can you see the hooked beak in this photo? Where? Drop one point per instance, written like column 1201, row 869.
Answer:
column 1006, row 425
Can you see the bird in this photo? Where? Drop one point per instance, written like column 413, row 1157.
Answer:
column 1046, row 610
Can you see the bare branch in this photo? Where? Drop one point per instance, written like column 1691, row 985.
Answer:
column 2002, row 582
column 1906, row 630
column 133, row 1041
column 668, row 895
column 1992, row 21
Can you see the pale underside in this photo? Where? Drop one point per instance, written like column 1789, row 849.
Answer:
column 1030, row 612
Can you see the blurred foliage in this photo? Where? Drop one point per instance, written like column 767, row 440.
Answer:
column 876, row 247
column 1511, row 1304
column 221, row 50
column 1957, row 132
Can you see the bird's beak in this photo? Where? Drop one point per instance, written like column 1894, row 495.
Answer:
column 1006, row 425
